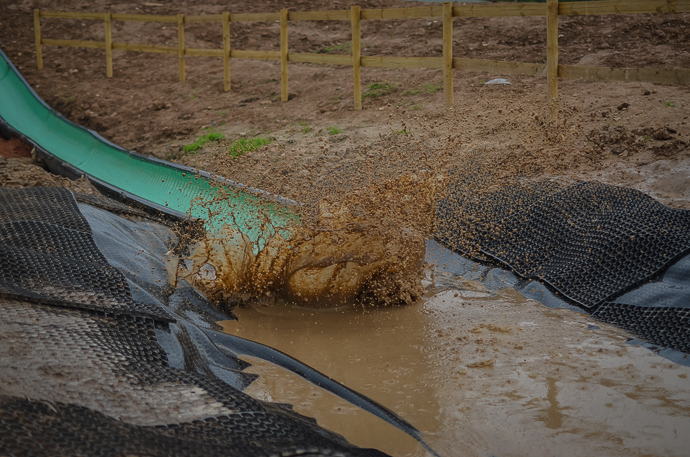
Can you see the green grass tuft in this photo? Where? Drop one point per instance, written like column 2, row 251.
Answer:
column 334, row 130
column 244, row 145
column 305, row 127
column 202, row 140
column 347, row 46
column 670, row 104
column 378, row 89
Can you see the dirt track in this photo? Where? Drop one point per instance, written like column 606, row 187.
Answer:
column 633, row 134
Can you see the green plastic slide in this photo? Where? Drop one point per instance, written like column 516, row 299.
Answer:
column 173, row 189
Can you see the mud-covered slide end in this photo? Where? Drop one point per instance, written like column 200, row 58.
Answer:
column 177, row 191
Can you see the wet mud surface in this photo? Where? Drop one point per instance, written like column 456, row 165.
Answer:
column 479, row 373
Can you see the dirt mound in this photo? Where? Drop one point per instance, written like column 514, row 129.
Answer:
column 14, row 147
column 27, row 172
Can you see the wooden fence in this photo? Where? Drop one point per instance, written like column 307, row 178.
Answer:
column 447, row 11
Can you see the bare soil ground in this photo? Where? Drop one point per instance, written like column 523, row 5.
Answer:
column 634, row 134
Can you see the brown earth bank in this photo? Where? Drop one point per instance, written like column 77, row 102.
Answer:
column 634, row 134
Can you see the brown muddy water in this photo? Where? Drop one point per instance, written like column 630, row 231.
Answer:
column 480, row 373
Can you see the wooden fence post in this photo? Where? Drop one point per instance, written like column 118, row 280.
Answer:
column 552, row 56
column 356, row 22
column 108, row 45
column 180, row 45
column 226, row 51
column 37, row 33
column 283, row 56
column 448, row 53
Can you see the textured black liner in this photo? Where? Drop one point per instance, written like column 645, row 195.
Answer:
column 56, row 264
column 664, row 326
column 126, row 358
column 54, row 205
column 73, row 430
column 590, row 242
column 472, row 211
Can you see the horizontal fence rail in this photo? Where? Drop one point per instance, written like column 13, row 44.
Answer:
column 447, row 11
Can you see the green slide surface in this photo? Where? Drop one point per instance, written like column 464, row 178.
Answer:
column 162, row 185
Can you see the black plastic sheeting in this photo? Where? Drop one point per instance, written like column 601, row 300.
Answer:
column 176, row 384
column 49, row 255
column 666, row 327
column 613, row 252
column 74, row 430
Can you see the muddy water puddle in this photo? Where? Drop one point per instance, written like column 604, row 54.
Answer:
column 479, row 373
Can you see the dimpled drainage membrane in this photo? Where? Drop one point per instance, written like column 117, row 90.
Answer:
column 49, row 255
column 74, row 430
column 55, row 206
column 590, row 242
column 665, row 326
column 84, row 372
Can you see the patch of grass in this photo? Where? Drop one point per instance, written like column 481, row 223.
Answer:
column 378, row 89
column 222, row 112
column 670, row 104
column 244, row 145
column 305, row 127
column 347, row 46
column 402, row 132
column 415, row 107
column 334, row 130
column 431, row 88
column 202, row 140
column 428, row 88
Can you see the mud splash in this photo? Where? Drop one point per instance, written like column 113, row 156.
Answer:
column 366, row 247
